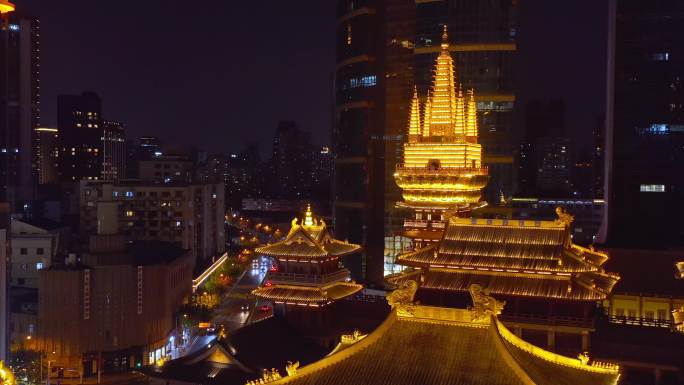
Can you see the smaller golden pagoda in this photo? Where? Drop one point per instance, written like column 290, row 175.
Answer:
column 442, row 167
column 308, row 270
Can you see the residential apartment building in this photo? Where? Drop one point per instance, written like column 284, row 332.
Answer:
column 188, row 215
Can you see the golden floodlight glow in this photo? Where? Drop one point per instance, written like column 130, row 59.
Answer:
column 6, row 7
column 442, row 162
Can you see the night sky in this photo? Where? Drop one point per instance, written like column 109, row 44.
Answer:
column 228, row 71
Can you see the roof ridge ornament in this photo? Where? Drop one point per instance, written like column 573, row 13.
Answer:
column 401, row 299
column 291, row 368
column 564, row 217
column 484, row 305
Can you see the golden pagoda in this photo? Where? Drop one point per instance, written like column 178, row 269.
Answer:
column 418, row 344
column 308, row 276
column 442, row 162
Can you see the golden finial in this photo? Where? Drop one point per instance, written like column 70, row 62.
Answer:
column 308, row 218
column 445, row 37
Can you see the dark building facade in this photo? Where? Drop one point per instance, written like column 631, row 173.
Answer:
column 19, row 105
column 113, row 151
column 645, row 130
column 46, row 154
column 80, row 125
column 482, row 38
column 292, row 161
column 373, row 86
column 544, row 129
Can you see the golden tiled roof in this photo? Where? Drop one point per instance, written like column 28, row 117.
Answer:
column 571, row 287
column 432, row 345
column 308, row 239
column 531, row 258
column 307, row 295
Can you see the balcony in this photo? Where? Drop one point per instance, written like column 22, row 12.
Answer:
column 458, row 171
column 316, row 279
column 537, row 319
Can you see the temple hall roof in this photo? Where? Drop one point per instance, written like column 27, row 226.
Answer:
column 529, row 258
column 433, row 345
column 310, row 239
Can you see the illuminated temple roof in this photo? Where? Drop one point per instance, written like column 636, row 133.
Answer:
column 442, row 164
column 433, row 345
column 308, row 242
column 308, row 239
column 513, row 257
column 307, row 295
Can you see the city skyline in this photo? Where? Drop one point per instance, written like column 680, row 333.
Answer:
column 352, row 191
column 128, row 59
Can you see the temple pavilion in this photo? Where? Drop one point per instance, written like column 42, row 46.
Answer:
column 419, row 344
column 442, row 172
column 309, row 278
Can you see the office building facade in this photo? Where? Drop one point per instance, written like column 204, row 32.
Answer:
column 645, row 125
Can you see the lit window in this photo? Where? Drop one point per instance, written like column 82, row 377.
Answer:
column 14, row 27
column 349, row 34
column 90, row 125
column 178, row 223
column 129, row 213
column 115, row 194
column 129, row 194
column 660, row 56
column 39, row 266
column 652, row 188
column 78, row 124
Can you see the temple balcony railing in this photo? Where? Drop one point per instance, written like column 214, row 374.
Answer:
column 578, row 322
column 417, row 223
column 318, row 279
column 641, row 321
column 447, row 171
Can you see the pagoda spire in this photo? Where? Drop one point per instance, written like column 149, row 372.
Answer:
column 444, row 99
column 426, row 116
column 414, row 118
column 471, row 117
column 459, row 121
column 308, row 216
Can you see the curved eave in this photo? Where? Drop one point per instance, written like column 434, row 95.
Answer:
column 292, row 250
column 307, row 295
column 340, row 249
column 514, row 284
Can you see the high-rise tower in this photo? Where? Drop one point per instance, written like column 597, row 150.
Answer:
column 645, row 125
column 442, row 168
column 19, row 104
